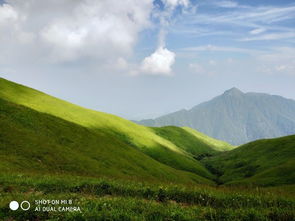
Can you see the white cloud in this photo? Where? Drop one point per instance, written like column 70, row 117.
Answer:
column 121, row 64
column 280, row 61
column 281, row 67
column 212, row 62
column 273, row 60
column 226, row 4
column 66, row 30
column 7, row 13
column 214, row 48
column 272, row 36
column 160, row 62
column 175, row 3
column 257, row 31
column 208, row 69
column 258, row 18
column 230, row 61
column 197, row 68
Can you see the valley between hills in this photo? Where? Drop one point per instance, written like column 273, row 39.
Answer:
column 115, row 169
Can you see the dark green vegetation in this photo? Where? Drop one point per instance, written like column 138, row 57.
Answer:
column 236, row 117
column 118, row 170
column 263, row 162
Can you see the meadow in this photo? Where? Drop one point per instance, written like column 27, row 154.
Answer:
column 110, row 199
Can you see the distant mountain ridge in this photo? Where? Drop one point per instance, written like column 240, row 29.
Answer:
column 236, row 117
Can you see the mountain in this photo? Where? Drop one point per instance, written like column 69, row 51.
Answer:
column 43, row 134
column 266, row 162
column 236, row 117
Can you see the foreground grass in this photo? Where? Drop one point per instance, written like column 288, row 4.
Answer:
column 102, row 199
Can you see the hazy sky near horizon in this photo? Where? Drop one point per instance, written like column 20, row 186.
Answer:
column 140, row 59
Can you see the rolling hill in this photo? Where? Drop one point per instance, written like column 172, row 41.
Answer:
column 236, row 117
column 40, row 133
column 192, row 141
column 266, row 162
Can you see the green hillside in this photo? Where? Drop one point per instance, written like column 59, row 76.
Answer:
column 36, row 142
column 106, row 141
column 262, row 162
column 192, row 141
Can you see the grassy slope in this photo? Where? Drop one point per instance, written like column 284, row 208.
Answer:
column 124, row 132
column 38, row 142
column 191, row 140
column 215, row 144
column 263, row 162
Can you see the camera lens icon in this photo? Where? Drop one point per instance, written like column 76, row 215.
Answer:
column 14, row 205
column 25, row 205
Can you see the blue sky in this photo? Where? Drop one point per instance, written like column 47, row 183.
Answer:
column 141, row 59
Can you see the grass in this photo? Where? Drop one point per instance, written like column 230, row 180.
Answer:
column 265, row 162
column 124, row 132
column 192, row 141
column 41, row 143
column 215, row 144
column 104, row 199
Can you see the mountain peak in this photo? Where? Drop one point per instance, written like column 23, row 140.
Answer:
column 233, row 91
